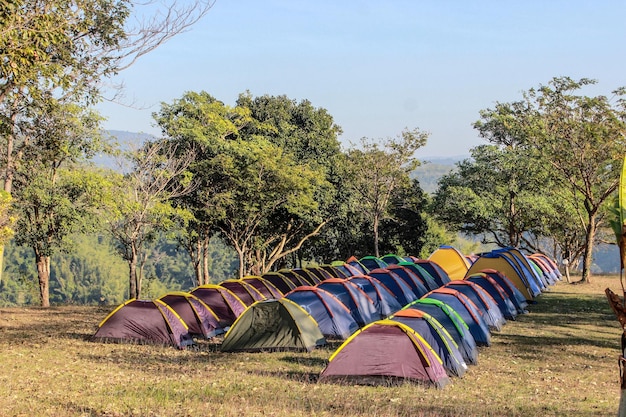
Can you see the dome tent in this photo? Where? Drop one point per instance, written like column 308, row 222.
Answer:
column 384, row 352
column 144, row 321
column 273, row 325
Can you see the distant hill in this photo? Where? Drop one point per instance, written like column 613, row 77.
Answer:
column 432, row 169
column 125, row 141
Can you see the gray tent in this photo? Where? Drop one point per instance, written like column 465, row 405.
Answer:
column 273, row 325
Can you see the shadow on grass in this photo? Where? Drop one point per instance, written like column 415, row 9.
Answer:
column 305, row 360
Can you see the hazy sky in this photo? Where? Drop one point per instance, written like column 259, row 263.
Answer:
column 381, row 66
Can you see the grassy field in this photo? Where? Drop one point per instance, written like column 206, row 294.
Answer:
column 559, row 360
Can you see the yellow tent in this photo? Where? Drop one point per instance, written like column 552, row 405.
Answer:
column 452, row 261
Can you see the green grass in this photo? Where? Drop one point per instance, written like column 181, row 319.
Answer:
column 559, row 360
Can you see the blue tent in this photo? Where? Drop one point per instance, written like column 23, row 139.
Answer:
column 361, row 306
column 453, row 323
column 437, row 337
column 385, row 301
column 468, row 311
column 508, row 309
column 400, row 289
column 332, row 316
column 415, row 282
column 491, row 312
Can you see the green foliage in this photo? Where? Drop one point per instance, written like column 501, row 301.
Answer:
column 92, row 273
column 582, row 139
column 500, row 193
column 375, row 172
column 262, row 170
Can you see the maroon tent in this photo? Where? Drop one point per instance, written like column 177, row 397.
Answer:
column 246, row 292
column 198, row 316
column 144, row 321
column 222, row 301
column 385, row 352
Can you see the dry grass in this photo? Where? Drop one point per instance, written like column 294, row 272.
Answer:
column 559, row 360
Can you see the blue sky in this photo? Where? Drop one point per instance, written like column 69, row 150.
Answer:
column 381, row 66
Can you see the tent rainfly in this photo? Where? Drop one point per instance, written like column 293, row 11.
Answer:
column 144, row 321
column 385, row 352
column 274, row 325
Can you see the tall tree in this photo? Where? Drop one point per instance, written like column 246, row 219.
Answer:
column 377, row 170
column 308, row 135
column 67, row 48
column 143, row 204
column 262, row 168
column 501, row 193
column 65, row 51
column 203, row 125
column 56, row 196
column 265, row 183
column 581, row 138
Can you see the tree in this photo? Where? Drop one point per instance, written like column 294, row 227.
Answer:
column 309, row 136
column 581, row 138
column 143, row 205
column 265, row 183
column 404, row 231
column 501, row 193
column 262, row 169
column 376, row 171
column 203, row 125
column 56, row 196
column 63, row 51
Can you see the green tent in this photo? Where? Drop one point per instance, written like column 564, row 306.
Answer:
column 273, row 325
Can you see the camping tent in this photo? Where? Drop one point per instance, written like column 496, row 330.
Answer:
column 356, row 264
column 222, row 301
column 384, row 352
column 263, row 286
column 372, row 262
column 515, row 295
column 508, row 309
column 436, row 336
column 304, row 275
column 426, row 277
column 491, row 312
column 280, row 281
column 246, row 292
column 392, row 259
column 335, row 271
column 418, row 286
column 299, row 277
column 144, row 321
column 453, row 323
column 198, row 316
column 433, row 268
column 469, row 312
column 332, row 316
column 273, row 325
column 451, row 260
column 361, row 306
column 400, row 289
column 385, row 301
column 506, row 266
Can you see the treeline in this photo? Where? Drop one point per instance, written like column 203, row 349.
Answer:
column 93, row 273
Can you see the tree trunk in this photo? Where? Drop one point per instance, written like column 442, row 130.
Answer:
column 43, row 274
column 375, row 230
column 588, row 254
column 206, row 277
column 132, row 274
column 195, row 255
column 242, row 264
